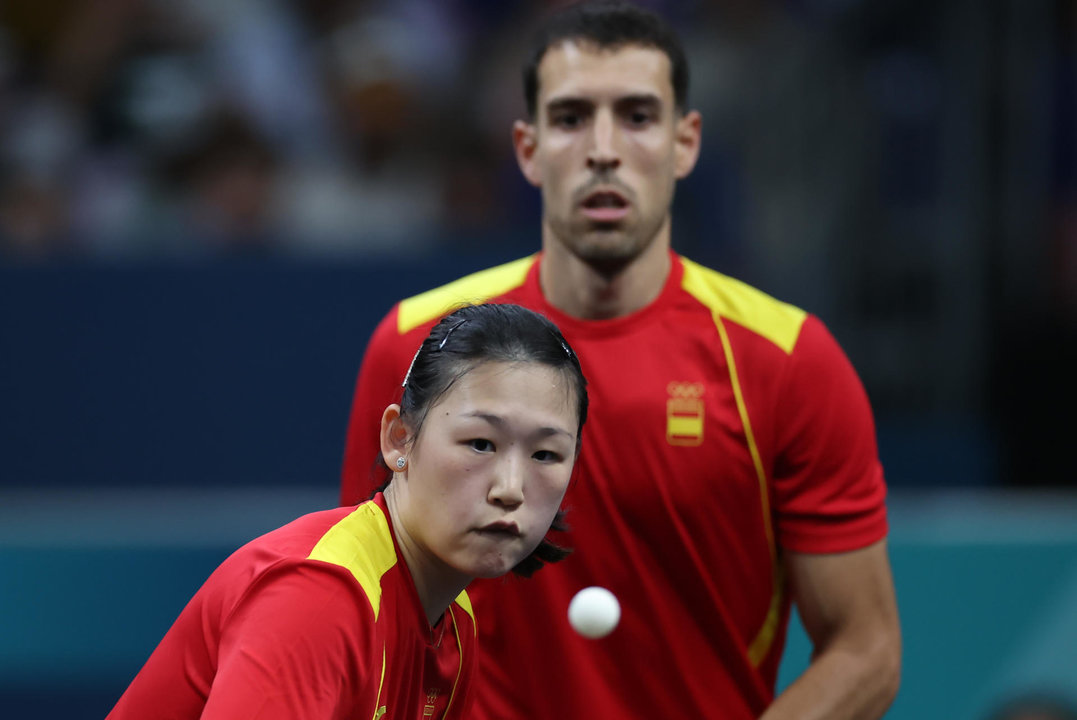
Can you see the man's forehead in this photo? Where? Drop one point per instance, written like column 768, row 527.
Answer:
column 574, row 68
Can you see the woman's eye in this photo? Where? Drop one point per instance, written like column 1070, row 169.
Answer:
column 546, row 456
column 481, row 445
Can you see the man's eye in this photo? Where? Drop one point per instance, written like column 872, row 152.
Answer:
column 481, row 445
column 640, row 117
column 546, row 456
column 566, row 120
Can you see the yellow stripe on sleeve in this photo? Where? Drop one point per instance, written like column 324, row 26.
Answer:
column 360, row 543
column 476, row 288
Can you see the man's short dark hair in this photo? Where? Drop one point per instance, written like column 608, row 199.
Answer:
column 609, row 25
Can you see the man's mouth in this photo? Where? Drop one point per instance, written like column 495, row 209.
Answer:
column 605, row 206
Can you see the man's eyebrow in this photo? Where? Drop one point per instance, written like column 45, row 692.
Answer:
column 573, row 102
column 639, row 99
column 568, row 102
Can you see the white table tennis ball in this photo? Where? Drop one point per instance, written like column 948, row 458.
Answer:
column 594, row 612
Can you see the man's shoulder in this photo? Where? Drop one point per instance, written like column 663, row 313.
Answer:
column 478, row 287
column 735, row 300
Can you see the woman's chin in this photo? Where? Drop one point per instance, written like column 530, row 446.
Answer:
column 492, row 567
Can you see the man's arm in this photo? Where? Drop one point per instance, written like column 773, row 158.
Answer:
column 848, row 608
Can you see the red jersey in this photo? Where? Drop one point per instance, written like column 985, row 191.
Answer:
column 724, row 427
column 318, row 619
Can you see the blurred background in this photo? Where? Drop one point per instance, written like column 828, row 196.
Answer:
column 206, row 206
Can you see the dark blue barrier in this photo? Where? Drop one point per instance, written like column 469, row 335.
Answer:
column 241, row 373
column 200, row 374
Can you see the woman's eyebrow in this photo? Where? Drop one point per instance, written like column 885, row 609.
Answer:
column 499, row 422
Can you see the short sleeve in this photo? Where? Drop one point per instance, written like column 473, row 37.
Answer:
column 293, row 648
column 829, row 491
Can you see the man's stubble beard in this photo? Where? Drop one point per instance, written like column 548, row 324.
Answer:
column 606, row 247
column 608, row 250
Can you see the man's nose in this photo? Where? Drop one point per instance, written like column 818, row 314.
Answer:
column 602, row 156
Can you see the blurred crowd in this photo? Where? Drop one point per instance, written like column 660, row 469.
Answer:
column 218, row 127
column 358, row 127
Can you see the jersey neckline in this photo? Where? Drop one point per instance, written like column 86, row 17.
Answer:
column 612, row 326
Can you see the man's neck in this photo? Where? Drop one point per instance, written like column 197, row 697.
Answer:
column 591, row 292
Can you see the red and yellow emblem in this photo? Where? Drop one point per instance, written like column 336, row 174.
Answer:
column 684, row 413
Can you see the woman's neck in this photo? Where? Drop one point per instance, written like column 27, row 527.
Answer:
column 436, row 583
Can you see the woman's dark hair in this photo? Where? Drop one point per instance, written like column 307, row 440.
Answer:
column 609, row 25
column 477, row 334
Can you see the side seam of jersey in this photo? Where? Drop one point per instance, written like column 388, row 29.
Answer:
column 362, row 544
column 475, row 288
column 764, row 638
column 460, row 646
column 379, row 709
column 780, row 323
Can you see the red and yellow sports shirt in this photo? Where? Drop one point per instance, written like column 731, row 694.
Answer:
column 725, row 427
column 318, row 619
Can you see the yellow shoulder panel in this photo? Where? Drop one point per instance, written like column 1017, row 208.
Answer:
column 471, row 289
column 360, row 543
column 775, row 320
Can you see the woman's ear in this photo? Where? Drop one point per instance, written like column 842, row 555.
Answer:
column 394, row 436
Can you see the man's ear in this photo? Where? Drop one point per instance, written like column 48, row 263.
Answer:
column 525, row 142
column 394, row 436
column 689, row 137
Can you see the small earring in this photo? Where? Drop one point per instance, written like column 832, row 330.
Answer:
column 400, row 463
